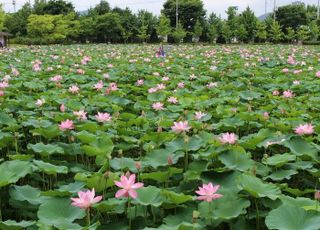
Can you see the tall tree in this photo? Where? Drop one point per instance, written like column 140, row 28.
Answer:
column 249, row 21
column 2, row 17
column 261, row 31
column 16, row 23
column 179, row 33
column 314, row 31
column 109, row 28
column 197, row 32
column 293, row 15
column 163, row 28
column 232, row 20
column 190, row 11
column 129, row 23
column 303, row 33
column 290, row 34
column 275, row 32
column 56, row 7
column 102, row 8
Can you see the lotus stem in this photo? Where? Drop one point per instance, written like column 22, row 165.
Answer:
column 88, row 217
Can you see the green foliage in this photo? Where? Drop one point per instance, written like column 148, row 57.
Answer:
column 179, row 33
column 163, row 28
column 291, row 34
column 275, row 32
column 261, row 31
column 108, row 27
column 303, row 33
column 292, row 15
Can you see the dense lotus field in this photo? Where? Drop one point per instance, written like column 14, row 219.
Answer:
column 117, row 137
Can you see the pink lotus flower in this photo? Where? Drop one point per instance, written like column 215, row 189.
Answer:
column 140, row 82
column 318, row 74
column 152, row 90
column 165, row 79
column 306, row 129
column 86, row 199
column 296, row 82
column 98, row 86
column 157, row 106
column 62, row 108
column 266, row 115
column 181, row 126
column 212, row 85
column 1, row 93
column 113, row 86
column 181, row 85
column 285, row 70
column 208, row 192
column 80, row 71
column 56, row 78
column 66, row 125
column 40, row 102
column 199, row 115
column 128, row 186
column 161, row 86
column 275, row 93
column 172, row 100
column 103, row 117
column 74, row 89
column 288, row 94
column 15, row 72
column 228, row 138
column 4, row 84
column 106, row 76
column 81, row 115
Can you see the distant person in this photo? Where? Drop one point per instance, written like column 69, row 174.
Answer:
column 1, row 45
column 160, row 52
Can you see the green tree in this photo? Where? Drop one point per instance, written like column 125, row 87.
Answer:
column 38, row 7
column 303, row 33
column 212, row 33
column 242, row 33
column 293, row 15
column 163, row 28
column 143, row 32
column 149, row 20
column 16, row 23
column 249, row 21
column 102, row 8
column 275, row 33
column 232, row 22
column 226, row 33
column 197, row 32
column 56, row 7
column 179, row 33
column 190, row 11
column 129, row 23
column 2, row 17
column 109, row 28
column 314, row 31
column 261, row 31
column 290, row 35
column 40, row 26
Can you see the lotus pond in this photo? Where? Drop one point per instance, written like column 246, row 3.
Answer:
column 113, row 137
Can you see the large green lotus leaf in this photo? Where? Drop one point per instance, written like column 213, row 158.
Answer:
column 5, row 119
column 26, row 193
column 301, row 202
column 48, row 132
column 195, row 170
column 5, row 139
column 228, row 207
column 111, row 205
column 13, row 225
column 281, row 174
column 251, row 141
column 181, row 226
column 160, row 157
column 97, row 180
column 235, row 160
column 161, row 176
column 102, row 146
column 257, row 188
column 250, row 95
column 37, row 123
column 50, row 169
column 301, row 147
column 279, row 160
column 12, row 171
column 72, row 188
column 288, row 217
column 86, row 137
column 226, row 180
column 194, row 143
column 175, row 198
column 59, row 211
column 149, row 196
column 123, row 163
column 45, row 150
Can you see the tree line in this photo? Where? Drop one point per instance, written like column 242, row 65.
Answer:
column 56, row 21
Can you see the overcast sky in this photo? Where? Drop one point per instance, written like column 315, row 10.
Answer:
column 217, row 6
